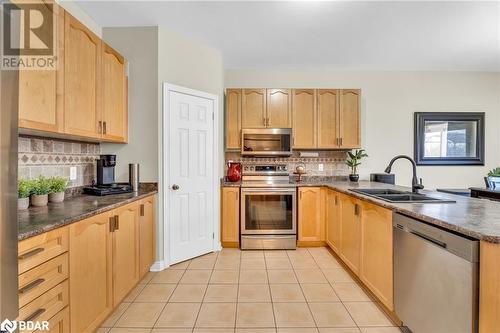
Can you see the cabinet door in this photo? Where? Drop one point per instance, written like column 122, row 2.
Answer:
column 350, row 229
column 230, row 216
column 60, row 323
column 125, row 251
column 82, row 79
column 90, row 272
column 349, row 118
column 304, row 118
column 310, row 215
column 253, row 108
column 279, row 108
column 146, row 234
column 233, row 119
column 328, row 104
column 40, row 91
column 114, row 81
column 376, row 252
column 333, row 220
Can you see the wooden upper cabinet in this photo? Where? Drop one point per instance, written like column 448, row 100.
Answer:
column 40, row 91
column 253, row 108
column 328, row 122
column 332, row 220
column 82, row 80
column 310, row 220
column 115, row 98
column 233, row 118
column 279, row 108
column 349, row 118
column 304, row 118
column 350, row 237
column 230, row 217
column 146, row 235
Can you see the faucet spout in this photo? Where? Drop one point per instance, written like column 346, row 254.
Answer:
column 415, row 185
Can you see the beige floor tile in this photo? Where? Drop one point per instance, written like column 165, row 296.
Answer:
column 310, row 276
column 229, row 252
column 221, row 293
column 252, row 254
column 129, row 330
column 278, row 263
column 380, row 330
column 227, row 263
column 156, row 293
column 216, row 315
column 275, row 254
column 255, row 330
column 178, row 315
column 171, row 330
column 254, row 293
column 140, row 315
column 350, row 292
column 286, row 293
column 168, row 276
column 225, row 276
column 328, row 263
column 331, row 315
column 213, row 330
column 202, row 263
column 339, row 330
column 113, row 318
column 181, row 265
column 335, row 275
column 252, row 263
column 319, row 293
column 367, row 314
column 191, row 293
column 255, row 276
column 282, row 276
column 319, row 251
column 298, row 330
column 134, row 293
column 196, row 276
column 293, row 315
column 103, row 330
column 147, row 278
column 303, row 263
column 254, row 315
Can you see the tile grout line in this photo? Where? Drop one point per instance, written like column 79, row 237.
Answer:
column 205, row 293
column 270, row 293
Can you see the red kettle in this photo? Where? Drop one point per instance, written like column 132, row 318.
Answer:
column 233, row 171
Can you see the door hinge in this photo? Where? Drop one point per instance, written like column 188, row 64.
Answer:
column 213, row 115
column 213, row 235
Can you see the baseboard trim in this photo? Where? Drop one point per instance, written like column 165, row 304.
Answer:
column 158, row 266
column 311, row 243
column 231, row 244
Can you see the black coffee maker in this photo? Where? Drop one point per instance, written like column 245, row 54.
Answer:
column 105, row 184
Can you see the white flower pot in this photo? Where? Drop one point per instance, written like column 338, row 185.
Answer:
column 56, row 197
column 39, row 200
column 23, row 203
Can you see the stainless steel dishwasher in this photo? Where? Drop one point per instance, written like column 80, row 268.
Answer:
column 435, row 278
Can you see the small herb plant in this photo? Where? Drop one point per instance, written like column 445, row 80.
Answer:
column 494, row 173
column 41, row 186
column 58, row 184
column 24, row 188
column 355, row 159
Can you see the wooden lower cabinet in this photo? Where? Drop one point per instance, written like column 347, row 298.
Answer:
column 60, row 323
column 146, row 235
column 350, row 228
column 376, row 268
column 230, row 216
column 489, row 287
column 310, row 217
column 332, row 219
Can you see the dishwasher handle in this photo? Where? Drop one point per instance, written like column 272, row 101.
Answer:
column 429, row 239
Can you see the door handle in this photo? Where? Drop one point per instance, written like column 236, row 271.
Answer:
column 142, row 210
column 100, row 126
column 341, row 141
column 104, row 128
column 175, row 187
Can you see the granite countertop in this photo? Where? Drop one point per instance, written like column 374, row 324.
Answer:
column 472, row 217
column 37, row 220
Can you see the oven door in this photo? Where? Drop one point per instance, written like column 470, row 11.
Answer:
column 268, row 211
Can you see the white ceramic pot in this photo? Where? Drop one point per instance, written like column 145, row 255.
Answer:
column 23, row 203
column 39, row 200
column 56, row 197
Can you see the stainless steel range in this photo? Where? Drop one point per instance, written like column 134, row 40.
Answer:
column 268, row 208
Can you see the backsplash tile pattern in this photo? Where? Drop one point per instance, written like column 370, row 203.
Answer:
column 54, row 157
column 333, row 162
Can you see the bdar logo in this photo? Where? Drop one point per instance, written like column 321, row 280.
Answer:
column 8, row 326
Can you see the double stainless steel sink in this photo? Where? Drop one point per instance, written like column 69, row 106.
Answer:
column 397, row 196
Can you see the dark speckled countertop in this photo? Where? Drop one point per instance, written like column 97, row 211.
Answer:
column 475, row 218
column 37, row 220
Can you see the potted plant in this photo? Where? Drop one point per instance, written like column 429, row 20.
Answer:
column 353, row 161
column 24, row 187
column 41, row 189
column 493, row 179
column 57, row 187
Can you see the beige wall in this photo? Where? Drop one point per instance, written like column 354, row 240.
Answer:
column 72, row 7
column 389, row 100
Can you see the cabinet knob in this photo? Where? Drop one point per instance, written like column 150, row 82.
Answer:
column 175, row 187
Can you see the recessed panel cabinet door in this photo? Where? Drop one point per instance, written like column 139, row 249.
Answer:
column 309, row 214
column 253, row 108
column 146, row 234
column 82, row 79
column 91, row 298
column 333, row 220
column 279, row 108
column 304, row 118
column 233, row 118
column 328, row 104
column 114, row 81
column 350, row 237
column 349, row 118
column 230, row 216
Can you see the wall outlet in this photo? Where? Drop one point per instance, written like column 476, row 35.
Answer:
column 72, row 173
column 320, row 167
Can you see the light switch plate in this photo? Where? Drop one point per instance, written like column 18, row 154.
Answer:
column 320, row 167
column 72, row 173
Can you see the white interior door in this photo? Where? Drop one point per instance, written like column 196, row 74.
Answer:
column 191, row 172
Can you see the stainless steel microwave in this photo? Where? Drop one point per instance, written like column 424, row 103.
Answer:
column 266, row 142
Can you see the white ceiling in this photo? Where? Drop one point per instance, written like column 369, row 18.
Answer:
column 337, row 35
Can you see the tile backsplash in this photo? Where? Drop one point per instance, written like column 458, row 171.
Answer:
column 54, row 157
column 333, row 162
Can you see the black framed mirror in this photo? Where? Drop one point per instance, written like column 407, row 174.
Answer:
column 449, row 138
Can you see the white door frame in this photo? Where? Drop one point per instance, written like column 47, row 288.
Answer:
column 164, row 181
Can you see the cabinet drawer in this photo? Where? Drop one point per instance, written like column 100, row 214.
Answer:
column 39, row 249
column 42, row 278
column 46, row 306
column 59, row 323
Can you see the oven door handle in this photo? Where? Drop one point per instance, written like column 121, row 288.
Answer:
column 268, row 190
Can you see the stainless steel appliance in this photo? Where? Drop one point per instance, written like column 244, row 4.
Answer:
column 133, row 176
column 9, row 87
column 435, row 278
column 266, row 142
column 106, row 178
column 268, row 208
